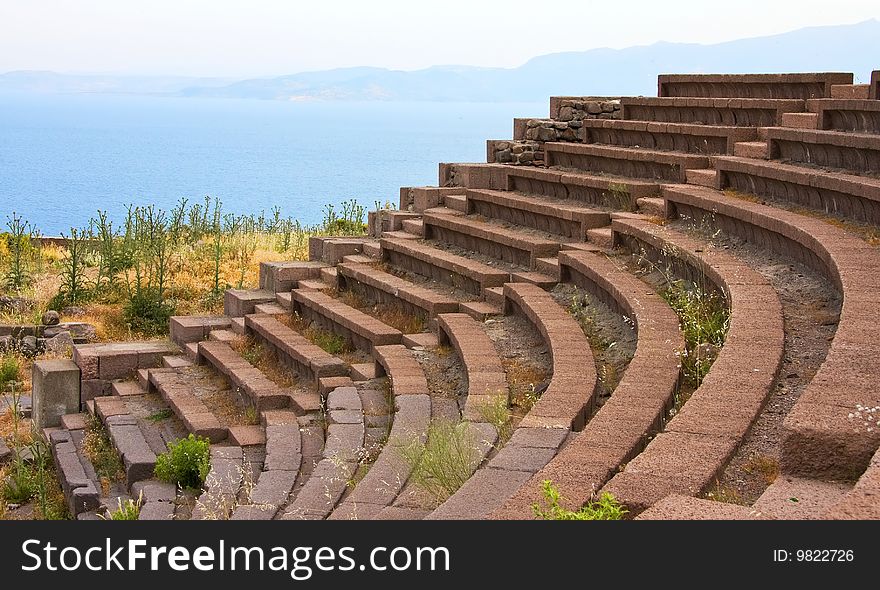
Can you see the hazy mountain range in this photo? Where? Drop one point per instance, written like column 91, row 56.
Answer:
column 629, row 71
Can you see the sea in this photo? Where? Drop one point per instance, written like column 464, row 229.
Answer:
column 65, row 157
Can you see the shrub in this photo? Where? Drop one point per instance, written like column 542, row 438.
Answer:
column 605, row 508
column 128, row 510
column 186, row 462
column 445, row 461
column 9, row 370
column 20, row 484
column 147, row 313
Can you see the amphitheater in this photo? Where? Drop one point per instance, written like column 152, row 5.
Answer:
column 762, row 189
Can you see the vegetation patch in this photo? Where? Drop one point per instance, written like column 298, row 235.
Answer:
column 99, row 450
column 606, row 507
column 186, row 463
column 445, row 461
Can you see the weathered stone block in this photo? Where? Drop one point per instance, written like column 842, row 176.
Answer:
column 56, row 391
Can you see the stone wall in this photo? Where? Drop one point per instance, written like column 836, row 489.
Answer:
column 528, row 153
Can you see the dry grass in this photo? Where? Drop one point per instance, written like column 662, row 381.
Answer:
column 720, row 493
column 263, row 359
column 766, row 467
column 523, row 377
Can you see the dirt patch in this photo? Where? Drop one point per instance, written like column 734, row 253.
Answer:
column 445, row 373
column 611, row 335
column 525, row 358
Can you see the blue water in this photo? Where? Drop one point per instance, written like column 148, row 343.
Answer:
column 64, row 157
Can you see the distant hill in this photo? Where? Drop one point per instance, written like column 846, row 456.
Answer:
column 629, row 71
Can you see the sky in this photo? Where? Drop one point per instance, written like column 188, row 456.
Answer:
column 254, row 38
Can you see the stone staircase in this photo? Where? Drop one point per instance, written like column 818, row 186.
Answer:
column 787, row 163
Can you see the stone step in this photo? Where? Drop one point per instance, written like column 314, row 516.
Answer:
column 284, row 300
column 751, row 149
column 740, row 112
column 414, row 227
column 271, row 308
column 241, row 302
column 535, row 278
column 127, row 388
column 329, row 480
column 456, row 202
column 279, row 277
column 377, row 285
column 800, row 120
column 678, row 137
column 175, row 362
column 372, row 249
column 548, row 266
column 705, row 177
column 185, row 329
column 563, row 218
column 616, row 192
column 227, row 336
column 795, row 498
column 399, row 235
column 328, row 384
column 494, row 296
column 329, row 275
column 80, row 491
column 264, row 394
column 601, row 237
column 357, row 259
column 363, row 371
column 624, row 161
column 847, row 195
column 143, row 377
column 729, row 86
column 293, row 350
column 237, row 324
column 850, row 91
column 423, row 340
column 423, row 259
column 486, row 238
column 640, row 400
column 362, row 330
column 194, row 414
column 705, row 425
column 822, row 417
column 481, row 310
column 858, row 116
column 854, row 152
column 654, row 206
column 313, row 285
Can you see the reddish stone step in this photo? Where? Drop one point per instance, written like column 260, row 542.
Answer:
column 556, row 217
column 850, row 91
column 655, row 206
column 800, row 120
column 423, row 259
column 492, row 240
column 681, row 137
column 414, row 227
column 381, row 286
column 480, row 310
column 624, row 161
column 601, row 237
column 456, row 202
column 362, row 330
column 751, row 149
